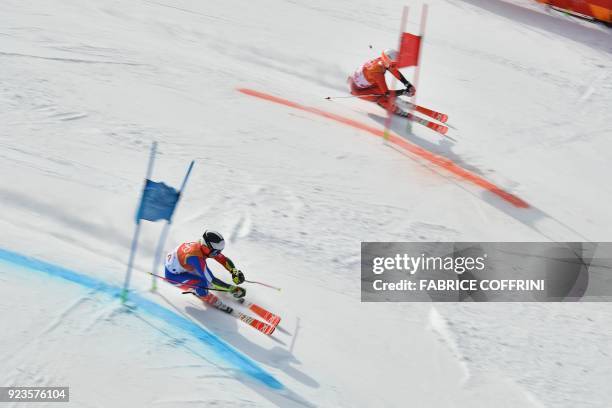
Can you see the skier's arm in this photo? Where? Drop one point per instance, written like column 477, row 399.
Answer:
column 219, row 284
column 237, row 275
column 236, row 291
column 215, row 282
column 225, row 261
column 382, row 84
column 396, row 73
column 410, row 89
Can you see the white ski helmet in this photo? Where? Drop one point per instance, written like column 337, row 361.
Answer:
column 389, row 57
column 214, row 241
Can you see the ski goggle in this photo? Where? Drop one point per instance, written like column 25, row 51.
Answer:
column 211, row 250
column 214, row 251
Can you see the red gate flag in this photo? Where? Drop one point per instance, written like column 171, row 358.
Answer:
column 409, row 51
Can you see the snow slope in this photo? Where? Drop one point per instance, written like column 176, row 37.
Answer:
column 87, row 85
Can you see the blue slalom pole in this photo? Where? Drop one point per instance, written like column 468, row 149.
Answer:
column 134, row 247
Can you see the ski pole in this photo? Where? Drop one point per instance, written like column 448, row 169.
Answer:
column 351, row 96
column 264, row 284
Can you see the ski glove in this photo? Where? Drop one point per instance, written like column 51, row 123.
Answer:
column 237, row 292
column 237, row 276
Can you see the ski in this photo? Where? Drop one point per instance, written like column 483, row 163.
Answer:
column 256, row 324
column 268, row 316
column 442, row 117
column 215, row 302
column 436, row 127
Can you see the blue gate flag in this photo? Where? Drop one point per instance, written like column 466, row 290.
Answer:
column 158, row 202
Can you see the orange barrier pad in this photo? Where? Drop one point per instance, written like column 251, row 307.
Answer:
column 598, row 9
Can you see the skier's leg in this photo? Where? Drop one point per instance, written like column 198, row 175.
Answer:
column 197, row 285
column 212, row 282
column 370, row 94
column 388, row 104
column 188, row 282
column 185, row 281
column 355, row 90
